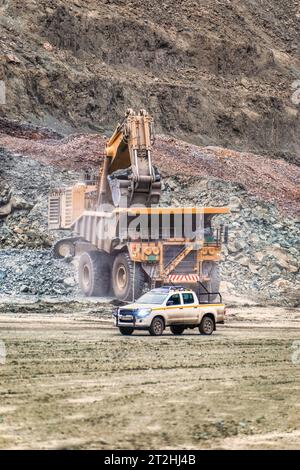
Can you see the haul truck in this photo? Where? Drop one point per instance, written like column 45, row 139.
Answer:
column 124, row 239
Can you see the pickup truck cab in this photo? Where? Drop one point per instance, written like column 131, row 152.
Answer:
column 173, row 307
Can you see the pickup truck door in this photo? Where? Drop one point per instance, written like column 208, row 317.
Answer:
column 173, row 311
column 189, row 309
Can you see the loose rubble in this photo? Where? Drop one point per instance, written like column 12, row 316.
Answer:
column 24, row 188
column 259, row 175
column 261, row 260
column 36, row 272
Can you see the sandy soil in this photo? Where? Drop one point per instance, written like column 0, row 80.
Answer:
column 71, row 381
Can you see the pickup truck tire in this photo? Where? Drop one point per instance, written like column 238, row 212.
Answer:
column 94, row 274
column 127, row 280
column 177, row 330
column 213, row 285
column 207, row 325
column 157, row 327
column 126, row 331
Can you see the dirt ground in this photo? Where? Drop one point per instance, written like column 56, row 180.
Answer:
column 71, row 381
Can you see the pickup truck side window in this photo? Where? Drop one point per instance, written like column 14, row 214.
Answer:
column 174, row 300
column 188, row 298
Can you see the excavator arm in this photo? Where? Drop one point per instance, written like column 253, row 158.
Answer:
column 128, row 176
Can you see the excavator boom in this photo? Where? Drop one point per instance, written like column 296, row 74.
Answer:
column 128, row 176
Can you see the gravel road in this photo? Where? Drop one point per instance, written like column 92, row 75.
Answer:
column 71, row 381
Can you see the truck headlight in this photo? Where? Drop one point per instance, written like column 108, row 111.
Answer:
column 143, row 312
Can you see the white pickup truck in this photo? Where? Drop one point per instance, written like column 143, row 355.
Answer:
column 173, row 307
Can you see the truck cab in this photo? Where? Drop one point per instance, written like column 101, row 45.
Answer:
column 175, row 307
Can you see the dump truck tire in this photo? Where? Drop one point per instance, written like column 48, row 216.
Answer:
column 94, row 274
column 63, row 249
column 213, row 285
column 127, row 280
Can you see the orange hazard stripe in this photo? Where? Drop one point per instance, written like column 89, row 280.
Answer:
column 189, row 306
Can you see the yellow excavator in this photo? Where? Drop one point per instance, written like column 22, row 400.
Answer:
column 128, row 176
column 125, row 241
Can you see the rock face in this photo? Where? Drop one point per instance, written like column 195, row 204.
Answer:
column 214, row 72
column 24, row 189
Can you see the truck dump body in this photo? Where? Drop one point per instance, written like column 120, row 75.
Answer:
column 143, row 224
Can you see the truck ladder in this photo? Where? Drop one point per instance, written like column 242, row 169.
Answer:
column 175, row 261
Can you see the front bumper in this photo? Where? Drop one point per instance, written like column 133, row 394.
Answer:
column 133, row 322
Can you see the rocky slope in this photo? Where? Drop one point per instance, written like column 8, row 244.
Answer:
column 221, row 78
column 35, row 272
column 214, row 72
column 260, row 176
column 261, row 261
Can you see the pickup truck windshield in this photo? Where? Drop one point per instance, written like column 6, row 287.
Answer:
column 152, row 298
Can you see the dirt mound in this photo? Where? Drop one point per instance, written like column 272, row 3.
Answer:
column 26, row 131
column 35, row 272
column 268, row 179
column 24, row 188
column 214, row 73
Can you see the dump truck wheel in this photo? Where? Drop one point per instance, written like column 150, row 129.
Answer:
column 207, row 325
column 211, row 269
column 127, row 280
column 94, row 274
column 157, row 327
column 126, row 331
column 177, row 330
column 63, row 249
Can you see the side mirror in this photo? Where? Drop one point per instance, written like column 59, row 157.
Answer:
column 170, row 302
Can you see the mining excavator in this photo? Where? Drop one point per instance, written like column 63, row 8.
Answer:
column 124, row 240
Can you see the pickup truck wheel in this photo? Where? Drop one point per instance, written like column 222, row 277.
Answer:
column 94, row 274
column 125, row 330
column 207, row 326
column 157, row 327
column 177, row 330
column 127, row 280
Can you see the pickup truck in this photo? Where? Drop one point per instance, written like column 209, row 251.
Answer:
column 173, row 307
